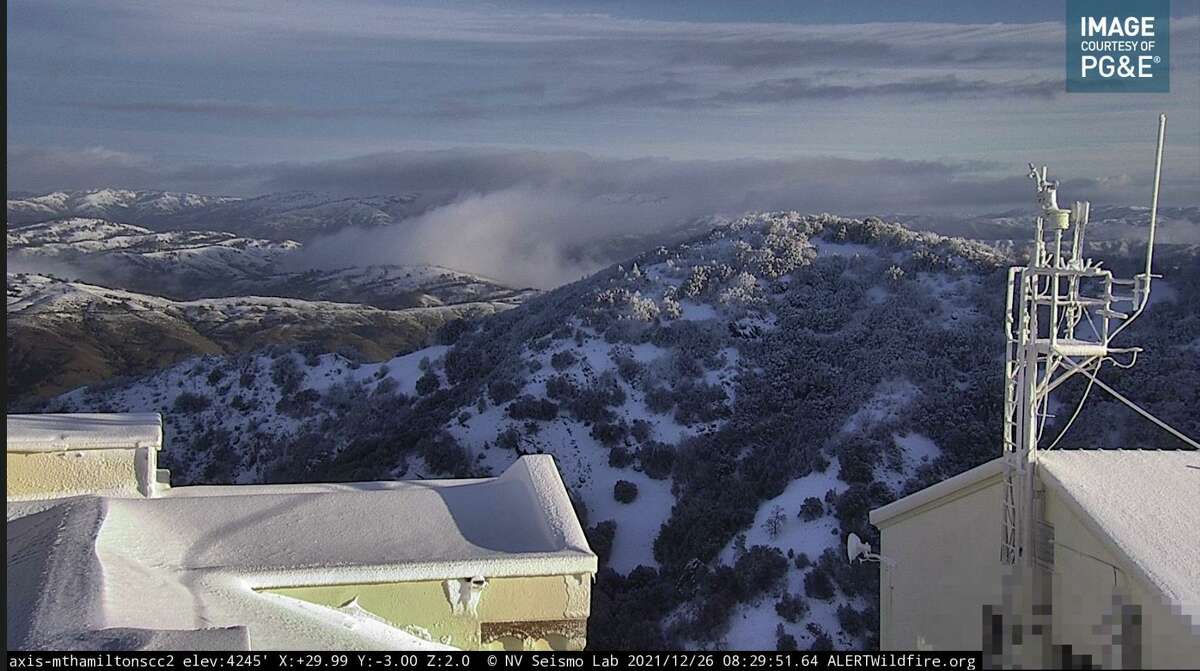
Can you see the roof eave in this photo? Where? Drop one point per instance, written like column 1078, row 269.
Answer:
column 937, row 494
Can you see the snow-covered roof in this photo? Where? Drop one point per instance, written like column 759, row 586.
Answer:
column 83, row 570
column 81, row 431
column 1145, row 504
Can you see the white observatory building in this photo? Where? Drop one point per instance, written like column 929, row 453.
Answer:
column 104, row 554
column 1045, row 557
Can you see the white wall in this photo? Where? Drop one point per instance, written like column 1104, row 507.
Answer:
column 1087, row 575
column 947, row 555
column 948, row 567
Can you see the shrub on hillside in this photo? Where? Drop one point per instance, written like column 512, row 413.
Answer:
column 600, row 538
column 821, row 640
column 817, row 584
column 509, row 439
column 610, row 434
column 563, row 360
column 502, row 391
column 784, row 642
column 812, row 509
column 428, row 383
column 759, row 570
column 560, row 388
column 659, row 400
column 528, row 407
column 625, row 491
column 792, row 607
column 641, row 430
column 656, row 459
column 619, row 457
column 189, row 403
column 286, row 373
column 298, row 404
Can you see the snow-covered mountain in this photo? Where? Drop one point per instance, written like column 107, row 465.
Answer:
column 179, row 264
column 118, row 204
column 62, row 334
column 725, row 411
column 75, row 284
column 296, row 216
column 390, row 287
column 187, row 265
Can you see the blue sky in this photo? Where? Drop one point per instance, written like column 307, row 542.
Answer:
column 229, row 96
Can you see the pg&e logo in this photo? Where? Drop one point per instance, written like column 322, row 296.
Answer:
column 1118, row 46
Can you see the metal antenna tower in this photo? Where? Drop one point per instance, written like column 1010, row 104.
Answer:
column 1062, row 316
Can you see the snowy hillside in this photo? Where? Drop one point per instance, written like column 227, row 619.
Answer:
column 65, row 334
column 185, row 265
column 76, row 283
column 298, row 216
column 390, row 287
column 107, row 204
column 725, row 411
column 181, row 264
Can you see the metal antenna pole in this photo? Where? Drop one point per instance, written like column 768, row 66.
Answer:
column 1142, row 290
column 1162, row 131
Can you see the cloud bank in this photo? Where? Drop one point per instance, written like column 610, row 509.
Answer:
column 540, row 218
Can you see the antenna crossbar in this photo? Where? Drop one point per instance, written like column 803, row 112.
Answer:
column 1136, row 408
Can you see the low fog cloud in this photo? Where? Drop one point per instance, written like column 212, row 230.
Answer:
column 535, row 218
column 540, row 219
column 521, row 236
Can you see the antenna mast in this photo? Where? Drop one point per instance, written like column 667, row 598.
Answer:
column 1061, row 319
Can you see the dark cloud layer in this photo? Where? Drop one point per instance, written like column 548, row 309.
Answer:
column 811, row 183
column 793, row 89
column 229, row 109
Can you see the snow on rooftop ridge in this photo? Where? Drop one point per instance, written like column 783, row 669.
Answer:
column 552, row 499
column 83, row 431
column 54, row 579
column 517, row 524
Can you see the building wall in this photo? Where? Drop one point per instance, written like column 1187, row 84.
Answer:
column 947, row 565
column 947, row 568
column 1090, row 583
column 533, row 613
column 118, row 472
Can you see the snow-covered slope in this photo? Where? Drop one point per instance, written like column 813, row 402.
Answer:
column 185, row 265
column 389, row 287
column 181, row 264
column 725, row 411
column 298, row 216
column 734, row 359
column 64, row 334
column 119, row 204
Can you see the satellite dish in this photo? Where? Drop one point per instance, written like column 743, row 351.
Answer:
column 856, row 548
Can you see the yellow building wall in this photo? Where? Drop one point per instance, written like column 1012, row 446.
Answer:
column 537, row 612
column 947, row 565
column 72, row 472
column 1087, row 577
